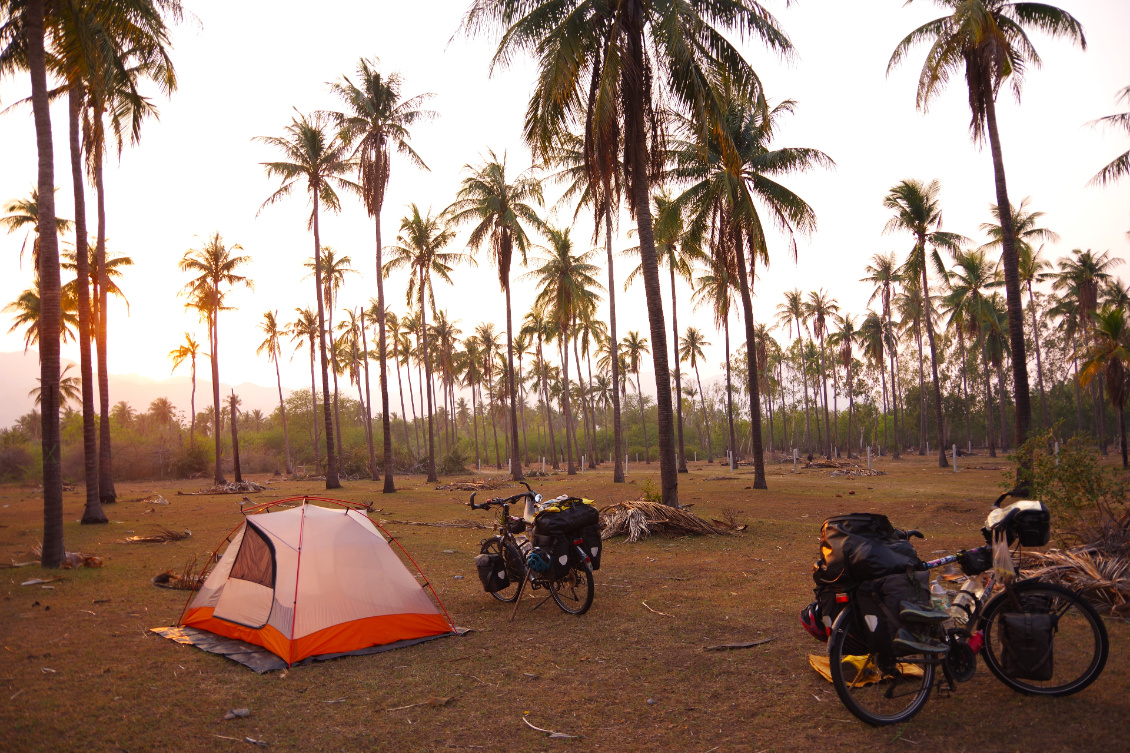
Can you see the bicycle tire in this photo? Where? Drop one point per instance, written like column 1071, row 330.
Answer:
column 574, row 591
column 515, row 568
column 893, row 697
column 1080, row 646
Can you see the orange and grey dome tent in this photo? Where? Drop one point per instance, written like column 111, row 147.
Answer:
column 310, row 582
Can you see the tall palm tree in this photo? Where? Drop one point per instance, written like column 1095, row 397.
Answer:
column 537, row 325
column 988, row 41
column 313, row 156
column 603, row 197
column 499, row 209
column 420, row 251
column 735, row 181
column 215, row 267
column 567, row 290
column 1119, row 167
column 791, row 315
column 188, row 350
column 378, row 120
column 603, row 65
column 1031, row 270
column 873, row 340
column 884, row 275
column 691, row 346
column 1110, row 355
column 23, row 214
column 489, row 347
column 270, row 345
column 845, row 338
column 818, row 309
column 334, row 270
column 27, row 312
column 634, row 347
column 916, row 210
column 677, row 257
column 305, row 328
column 1078, row 283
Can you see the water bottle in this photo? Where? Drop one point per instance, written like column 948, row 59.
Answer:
column 964, row 602
column 938, row 596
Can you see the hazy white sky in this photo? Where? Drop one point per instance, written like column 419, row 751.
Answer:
column 247, row 65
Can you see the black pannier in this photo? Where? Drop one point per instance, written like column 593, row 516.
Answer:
column 562, row 522
column 1026, row 645
column 975, row 561
column 492, row 572
column 859, row 547
column 880, row 602
column 593, row 545
column 560, row 551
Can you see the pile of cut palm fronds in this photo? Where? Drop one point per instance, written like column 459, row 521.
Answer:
column 71, row 560
column 486, row 484
column 161, row 536
column 638, row 520
column 1101, row 574
column 232, row 487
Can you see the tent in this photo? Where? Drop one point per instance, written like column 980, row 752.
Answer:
column 310, row 581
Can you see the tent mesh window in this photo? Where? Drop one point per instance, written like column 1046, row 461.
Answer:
column 256, row 559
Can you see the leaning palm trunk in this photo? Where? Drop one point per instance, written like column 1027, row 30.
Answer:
column 331, row 457
column 617, row 429
column 53, row 551
column 751, row 368
column 678, row 375
column 106, row 491
column 213, row 335
column 92, row 512
column 1012, row 291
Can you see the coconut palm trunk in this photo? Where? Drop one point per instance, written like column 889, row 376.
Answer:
column 428, row 375
column 282, row 412
column 332, row 481
column 1001, row 403
column 490, row 414
column 1011, row 263
column 614, row 345
column 53, row 550
column 922, row 404
column 928, row 308
column 106, row 492
column 545, row 399
column 512, row 386
column 374, row 474
column 989, row 405
column 964, row 386
column 1039, row 360
column 751, row 367
column 682, row 454
column 643, row 419
column 824, row 389
column 804, row 380
column 314, row 409
column 893, row 353
column 213, row 338
column 570, row 428
column 92, row 511
column 334, row 367
column 730, row 402
column 705, row 415
column 192, row 407
column 234, row 414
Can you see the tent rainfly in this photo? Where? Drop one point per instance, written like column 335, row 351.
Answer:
column 310, row 581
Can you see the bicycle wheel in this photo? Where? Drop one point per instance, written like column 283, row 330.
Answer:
column 872, row 694
column 574, row 591
column 1079, row 648
column 515, row 568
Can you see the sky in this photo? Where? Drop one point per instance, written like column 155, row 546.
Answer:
column 245, row 68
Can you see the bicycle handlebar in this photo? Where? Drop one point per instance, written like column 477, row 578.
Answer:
column 500, row 501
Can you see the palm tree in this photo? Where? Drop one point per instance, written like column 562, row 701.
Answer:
column 1119, row 167
column 1031, row 270
column 916, row 210
column 420, row 250
column 873, row 339
column 393, row 323
column 634, row 347
column 24, row 214
column 1078, row 283
column 818, row 309
column 188, row 350
column 791, row 315
column 988, row 41
column 567, row 292
column 1110, row 355
column 378, row 120
column 884, row 275
column 305, row 328
column 603, row 65
column 537, row 325
column 313, row 156
column 270, row 345
column 214, row 267
column 334, row 270
column 489, row 346
column 691, row 346
column 845, row 338
column 70, row 390
column 27, row 312
column 734, row 173
column 604, row 199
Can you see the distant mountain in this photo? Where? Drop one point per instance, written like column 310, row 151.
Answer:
column 21, row 374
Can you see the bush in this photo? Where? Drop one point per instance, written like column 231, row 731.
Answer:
column 17, row 463
column 455, row 462
column 192, row 460
column 1073, row 484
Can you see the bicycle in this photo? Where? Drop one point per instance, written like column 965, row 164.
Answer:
column 880, row 691
column 572, row 591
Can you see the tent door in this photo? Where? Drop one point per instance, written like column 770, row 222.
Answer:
column 249, row 593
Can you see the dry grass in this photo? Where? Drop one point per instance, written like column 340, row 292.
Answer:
column 113, row 686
